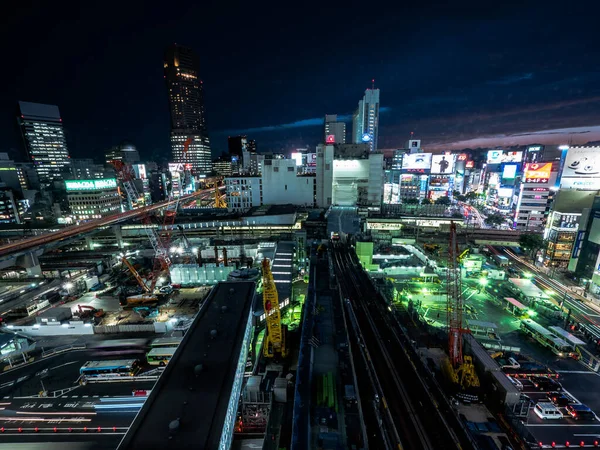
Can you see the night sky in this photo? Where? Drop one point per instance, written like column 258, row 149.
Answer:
column 492, row 70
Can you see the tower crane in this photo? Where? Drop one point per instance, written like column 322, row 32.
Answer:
column 274, row 342
column 459, row 368
column 162, row 261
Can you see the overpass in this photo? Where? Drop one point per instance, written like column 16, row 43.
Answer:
column 31, row 247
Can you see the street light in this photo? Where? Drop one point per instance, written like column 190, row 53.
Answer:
column 68, row 286
column 483, row 281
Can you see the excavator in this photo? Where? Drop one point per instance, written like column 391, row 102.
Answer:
column 86, row 312
column 274, row 342
column 145, row 299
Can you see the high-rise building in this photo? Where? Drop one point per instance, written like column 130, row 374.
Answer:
column 189, row 139
column 365, row 122
column 93, row 199
column 44, row 139
column 85, row 169
column 335, row 132
column 125, row 151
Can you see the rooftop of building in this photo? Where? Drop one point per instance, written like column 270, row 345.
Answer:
column 195, row 388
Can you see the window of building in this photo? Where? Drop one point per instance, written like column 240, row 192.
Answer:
column 290, row 169
column 275, row 169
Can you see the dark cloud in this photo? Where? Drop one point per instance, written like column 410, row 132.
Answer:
column 449, row 72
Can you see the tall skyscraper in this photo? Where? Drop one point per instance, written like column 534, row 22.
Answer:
column 44, row 140
column 186, row 103
column 365, row 122
column 335, row 132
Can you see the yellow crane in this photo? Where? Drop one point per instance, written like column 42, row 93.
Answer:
column 274, row 342
column 219, row 201
column 144, row 299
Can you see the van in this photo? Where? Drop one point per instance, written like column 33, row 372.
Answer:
column 546, row 410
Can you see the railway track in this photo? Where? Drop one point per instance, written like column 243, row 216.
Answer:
column 415, row 419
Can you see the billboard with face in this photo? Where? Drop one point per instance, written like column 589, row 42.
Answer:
column 442, row 164
column 417, row 161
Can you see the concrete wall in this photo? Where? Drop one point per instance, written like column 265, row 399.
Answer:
column 70, row 329
column 282, row 185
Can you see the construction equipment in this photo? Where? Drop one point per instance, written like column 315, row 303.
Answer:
column 459, row 369
column 85, row 311
column 274, row 341
column 219, row 202
column 141, row 300
column 162, row 261
column 463, row 255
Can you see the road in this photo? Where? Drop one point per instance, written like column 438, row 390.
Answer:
column 75, row 230
column 416, row 416
column 581, row 309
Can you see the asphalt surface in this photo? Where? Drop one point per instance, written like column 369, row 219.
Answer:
column 72, row 419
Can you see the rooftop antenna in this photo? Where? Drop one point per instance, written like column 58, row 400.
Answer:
column 373, row 84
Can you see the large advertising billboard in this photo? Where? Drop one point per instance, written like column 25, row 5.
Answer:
column 442, row 164
column 509, row 172
column 417, row 161
column 537, row 173
column 582, row 162
column 500, row 156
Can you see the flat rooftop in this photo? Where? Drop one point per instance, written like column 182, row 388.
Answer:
column 198, row 399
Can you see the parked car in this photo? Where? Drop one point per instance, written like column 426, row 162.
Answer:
column 516, row 382
column 545, row 384
column 581, row 412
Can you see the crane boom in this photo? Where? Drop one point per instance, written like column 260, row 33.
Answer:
column 454, row 301
column 135, row 274
column 274, row 342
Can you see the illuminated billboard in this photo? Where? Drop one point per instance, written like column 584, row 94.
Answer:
column 91, row 185
column 442, row 164
column 494, row 156
column 298, row 158
column 499, row 156
column 537, row 173
column 311, row 159
column 509, row 172
column 505, row 192
column 582, row 162
column 175, row 167
column 417, row 161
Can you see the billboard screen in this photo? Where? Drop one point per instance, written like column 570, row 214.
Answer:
column 417, row 161
column 505, row 192
column 311, row 159
column 512, row 157
column 442, row 164
column 91, row 185
column 175, row 167
column 582, row 162
column 509, row 172
column 494, row 156
column 537, row 173
column 499, row 156
column 298, row 158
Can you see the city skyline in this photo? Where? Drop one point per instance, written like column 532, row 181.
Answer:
column 459, row 77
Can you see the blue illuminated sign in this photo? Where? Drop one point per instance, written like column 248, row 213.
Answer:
column 366, row 137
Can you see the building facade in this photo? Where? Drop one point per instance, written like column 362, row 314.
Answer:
column 86, row 169
column 189, row 138
column 324, row 173
column 535, row 196
column 93, row 199
column 335, row 132
column 365, row 121
column 222, row 166
column 243, row 192
column 282, row 185
column 125, row 151
column 44, row 140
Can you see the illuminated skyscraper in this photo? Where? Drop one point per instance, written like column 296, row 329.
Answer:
column 365, row 122
column 44, row 140
column 186, row 104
